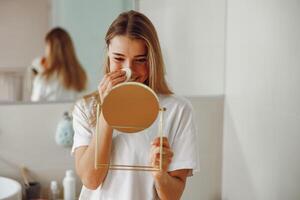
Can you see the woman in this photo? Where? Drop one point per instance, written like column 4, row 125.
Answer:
column 59, row 75
column 132, row 43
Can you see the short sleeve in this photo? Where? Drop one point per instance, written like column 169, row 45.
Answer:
column 82, row 131
column 184, row 144
column 38, row 89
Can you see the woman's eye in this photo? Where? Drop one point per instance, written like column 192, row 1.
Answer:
column 119, row 59
column 143, row 60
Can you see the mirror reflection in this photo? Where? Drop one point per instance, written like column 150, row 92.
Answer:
column 52, row 50
column 57, row 76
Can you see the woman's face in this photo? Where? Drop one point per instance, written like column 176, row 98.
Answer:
column 47, row 50
column 124, row 52
column 47, row 55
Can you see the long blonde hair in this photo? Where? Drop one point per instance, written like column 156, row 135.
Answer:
column 137, row 26
column 63, row 60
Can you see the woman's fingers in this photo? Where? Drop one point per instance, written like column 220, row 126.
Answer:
column 166, row 152
column 111, row 76
column 115, row 74
column 156, row 142
column 112, row 82
column 117, row 80
column 109, row 80
column 165, row 163
column 167, row 155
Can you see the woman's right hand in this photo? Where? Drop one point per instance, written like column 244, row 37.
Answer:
column 109, row 80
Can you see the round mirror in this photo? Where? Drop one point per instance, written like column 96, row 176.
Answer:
column 130, row 107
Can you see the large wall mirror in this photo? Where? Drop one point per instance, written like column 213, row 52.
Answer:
column 24, row 26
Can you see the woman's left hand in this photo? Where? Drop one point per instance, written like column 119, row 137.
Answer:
column 167, row 154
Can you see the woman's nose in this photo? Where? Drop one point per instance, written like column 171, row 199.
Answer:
column 127, row 64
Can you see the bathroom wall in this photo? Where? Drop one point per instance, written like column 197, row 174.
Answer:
column 206, row 184
column 27, row 138
column 23, row 25
column 192, row 39
column 261, row 130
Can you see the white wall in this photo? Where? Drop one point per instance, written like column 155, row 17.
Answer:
column 261, row 130
column 27, row 134
column 192, row 39
column 206, row 185
column 23, row 25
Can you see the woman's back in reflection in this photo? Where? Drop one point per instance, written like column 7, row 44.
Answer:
column 59, row 75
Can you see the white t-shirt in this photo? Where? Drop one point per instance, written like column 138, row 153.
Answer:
column 51, row 90
column 134, row 149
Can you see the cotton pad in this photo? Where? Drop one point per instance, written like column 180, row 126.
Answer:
column 128, row 73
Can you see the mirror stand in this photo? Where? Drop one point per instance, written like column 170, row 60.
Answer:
column 129, row 167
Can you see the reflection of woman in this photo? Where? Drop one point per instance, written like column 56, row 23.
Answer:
column 60, row 75
column 132, row 42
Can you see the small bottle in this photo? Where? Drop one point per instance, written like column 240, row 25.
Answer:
column 64, row 131
column 69, row 185
column 54, row 191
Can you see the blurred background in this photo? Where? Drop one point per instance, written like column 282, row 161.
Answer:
column 238, row 62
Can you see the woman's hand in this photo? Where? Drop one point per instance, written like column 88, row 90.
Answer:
column 44, row 62
column 109, row 80
column 168, row 185
column 167, row 155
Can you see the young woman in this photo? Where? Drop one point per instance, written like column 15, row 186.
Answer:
column 132, row 42
column 59, row 75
